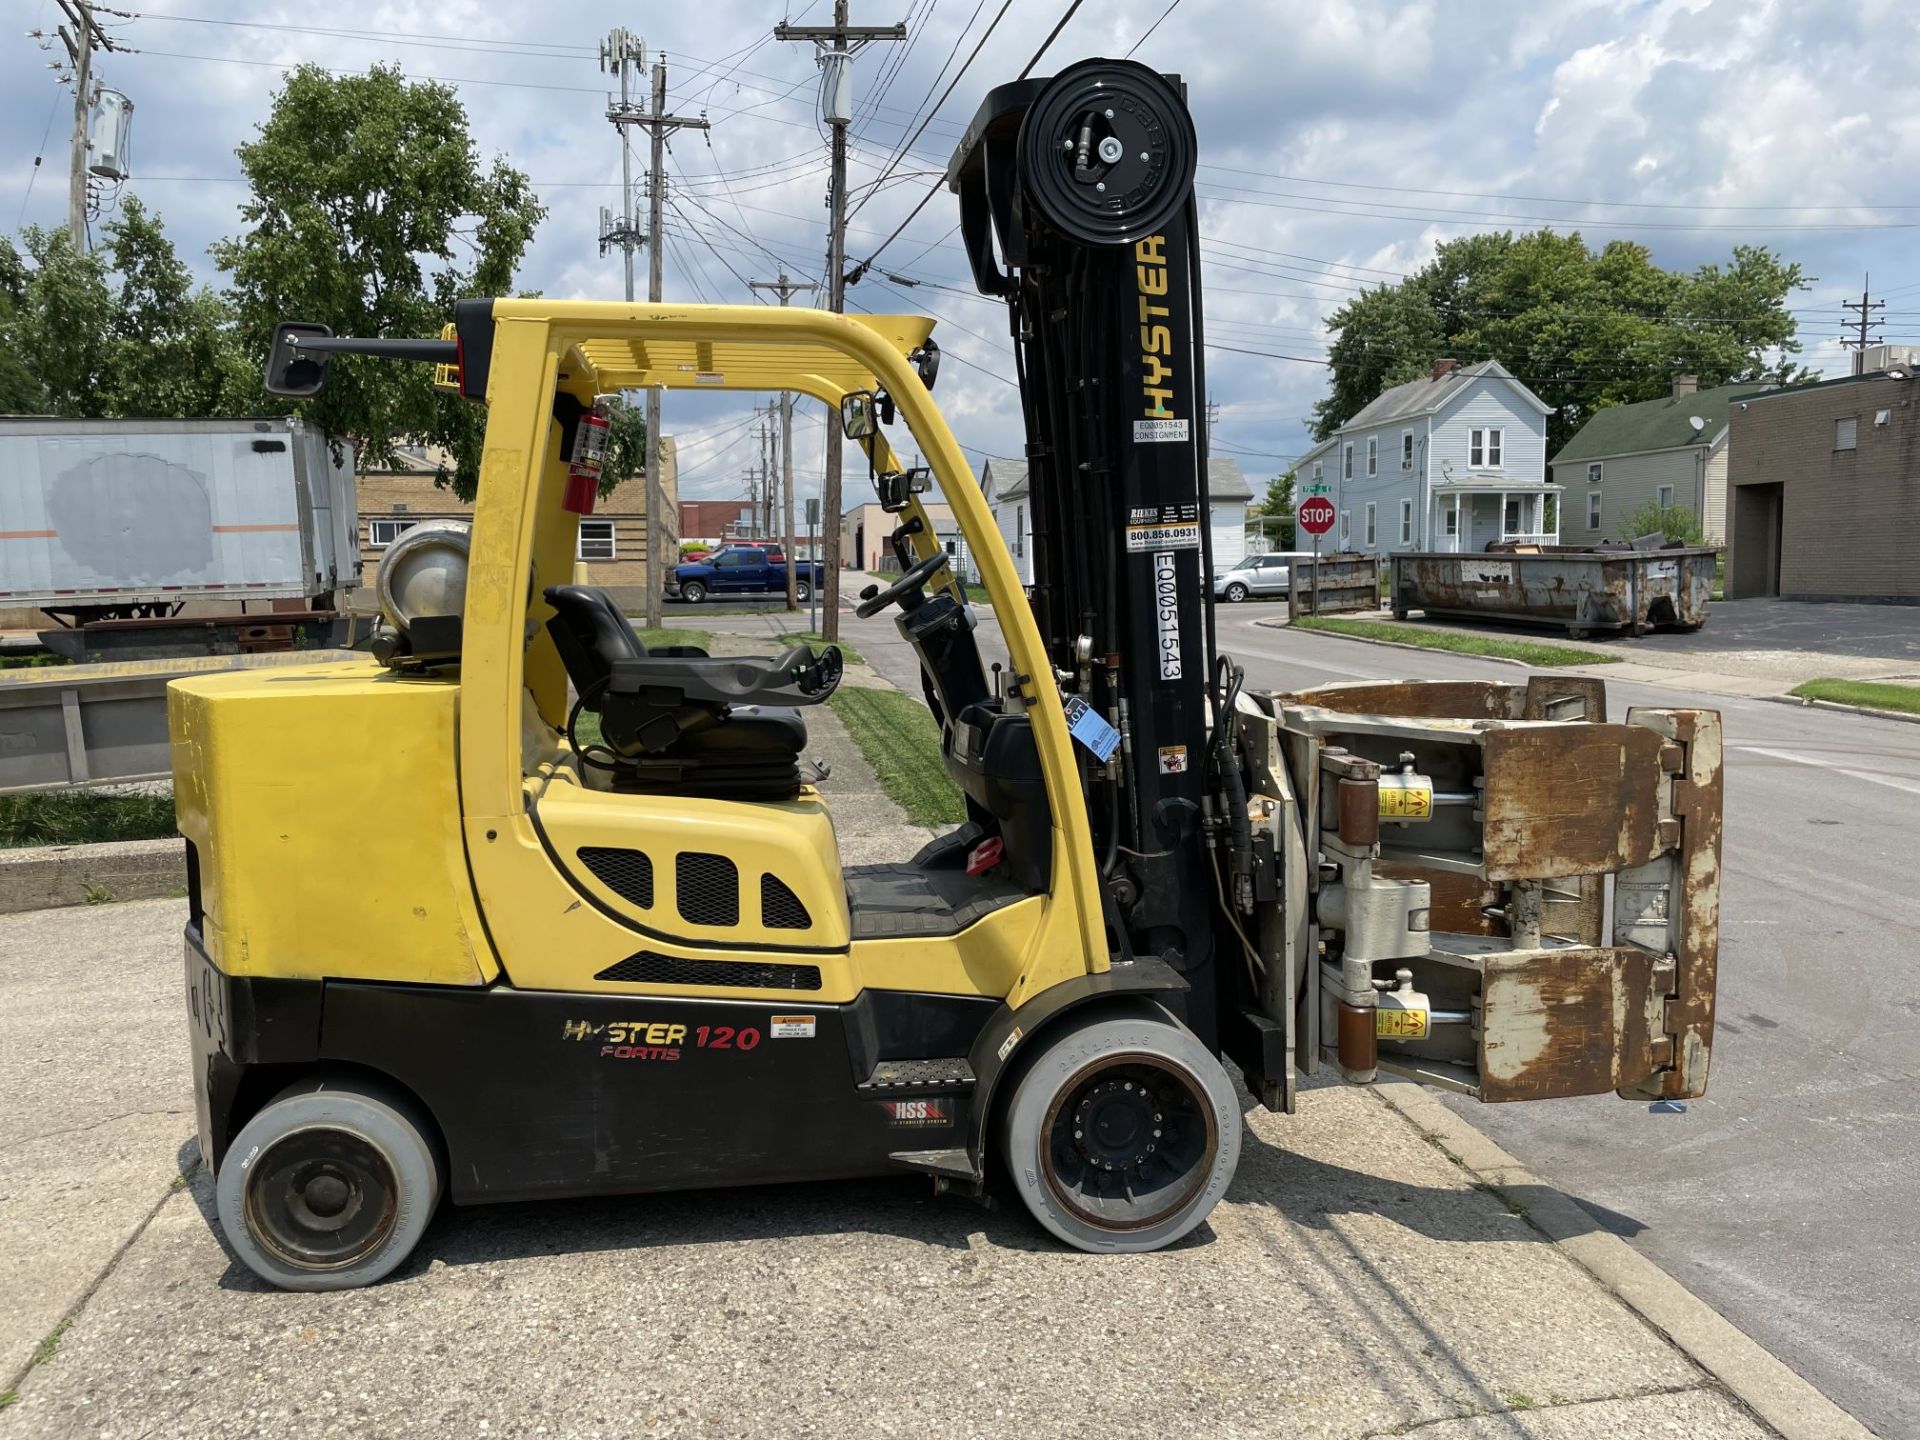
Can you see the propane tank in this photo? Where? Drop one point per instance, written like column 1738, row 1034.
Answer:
column 424, row 572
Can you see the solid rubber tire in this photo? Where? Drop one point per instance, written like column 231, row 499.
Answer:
column 1066, row 1054
column 383, row 1119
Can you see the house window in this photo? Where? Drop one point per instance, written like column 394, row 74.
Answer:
column 1319, row 470
column 596, row 540
column 1406, row 449
column 1512, row 517
column 1844, row 432
column 1484, row 448
column 1451, row 516
column 1593, row 509
column 1373, row 456
column 1346, row 461
column 1020, row 530
column 1594, row 472
column 1665, row 494
column 1346, row 527
column 1372, row 528
column 1406, row 522
column 382, row 533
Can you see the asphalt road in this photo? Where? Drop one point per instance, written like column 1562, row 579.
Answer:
column 1786, row 1197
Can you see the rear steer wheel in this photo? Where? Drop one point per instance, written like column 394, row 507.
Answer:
column 330, row 1186
column 1123, row 1135
column 693, row 592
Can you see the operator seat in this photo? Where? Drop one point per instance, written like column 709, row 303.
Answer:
column 677, row 720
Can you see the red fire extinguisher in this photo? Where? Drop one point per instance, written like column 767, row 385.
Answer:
column 589, row 454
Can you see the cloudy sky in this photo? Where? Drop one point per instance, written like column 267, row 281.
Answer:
column 1339, row 140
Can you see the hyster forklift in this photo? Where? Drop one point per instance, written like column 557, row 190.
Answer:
column 517, row 907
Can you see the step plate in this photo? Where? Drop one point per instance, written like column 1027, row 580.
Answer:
column 945, row 1074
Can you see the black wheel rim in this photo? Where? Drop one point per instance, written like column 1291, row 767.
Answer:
column 1128, row 1142
column 321, row 1199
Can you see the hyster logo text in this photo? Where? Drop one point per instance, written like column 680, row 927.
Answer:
column 1156, row 338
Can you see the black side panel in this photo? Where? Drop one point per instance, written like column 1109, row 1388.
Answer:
column 542, row 1094
column 908, row 1025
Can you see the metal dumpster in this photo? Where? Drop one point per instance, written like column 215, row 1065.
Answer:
column 1585, row 590
column 1345, row 582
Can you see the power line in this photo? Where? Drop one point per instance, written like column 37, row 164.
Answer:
column 1150, row 29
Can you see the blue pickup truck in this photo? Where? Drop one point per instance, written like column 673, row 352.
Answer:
column 743, row 570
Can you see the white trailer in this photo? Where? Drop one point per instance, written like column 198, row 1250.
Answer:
column 102, row 519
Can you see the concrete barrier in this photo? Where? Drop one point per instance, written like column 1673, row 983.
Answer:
column 45, row 877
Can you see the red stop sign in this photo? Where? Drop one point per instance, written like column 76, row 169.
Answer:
column 1317, row 515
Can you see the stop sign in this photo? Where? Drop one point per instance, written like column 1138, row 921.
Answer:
column 1317, row 515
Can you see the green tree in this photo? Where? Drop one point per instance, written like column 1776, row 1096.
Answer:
column 120, row 331
column 370, row 212
column 626, row 444
column 20, row 390
column 1275, row 510
column 1279, row 497
column 1582, row 329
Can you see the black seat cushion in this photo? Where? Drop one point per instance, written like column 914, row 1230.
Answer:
column 749, row 733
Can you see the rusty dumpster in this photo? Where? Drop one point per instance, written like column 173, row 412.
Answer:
column 1588, row 591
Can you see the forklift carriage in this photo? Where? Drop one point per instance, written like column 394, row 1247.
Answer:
column 443, row 940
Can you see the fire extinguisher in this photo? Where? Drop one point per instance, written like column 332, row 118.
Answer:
column 589, row 454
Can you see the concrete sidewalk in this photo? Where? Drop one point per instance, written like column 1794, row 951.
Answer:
column 1359, row 1280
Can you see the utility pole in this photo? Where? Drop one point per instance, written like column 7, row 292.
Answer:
column 659, row 124
column 836, row 45
column 1863, row 309
column 621, row 52
column 82, row 36
column 786, row 289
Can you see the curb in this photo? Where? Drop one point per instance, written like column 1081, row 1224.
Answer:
column 58, row 875
column 1800, row 702
column 1750, row 1372
column 1395, row 644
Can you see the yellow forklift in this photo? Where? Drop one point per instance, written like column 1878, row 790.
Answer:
column 448, row 939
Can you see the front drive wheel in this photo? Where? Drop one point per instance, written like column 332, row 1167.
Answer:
column 1124, row 1134
column 329, row 1187
column 1236, row 592
column 693, row 592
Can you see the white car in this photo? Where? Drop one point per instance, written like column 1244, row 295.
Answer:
column 1257, row 575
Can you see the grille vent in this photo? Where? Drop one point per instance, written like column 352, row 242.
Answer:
column 647, row 968
column 707, row 888
column 628, row 873
column 780, row 908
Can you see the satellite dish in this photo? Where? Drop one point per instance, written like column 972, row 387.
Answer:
column 1697, row 423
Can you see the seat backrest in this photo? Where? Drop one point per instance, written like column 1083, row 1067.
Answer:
column 591, row 635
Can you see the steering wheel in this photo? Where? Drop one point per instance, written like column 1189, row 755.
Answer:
column 912, row 580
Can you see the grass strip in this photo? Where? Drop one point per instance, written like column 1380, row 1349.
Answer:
column 897, row 736
column 82, row 817
column 1530, row 652
column 1871, row 694
column 813, row 638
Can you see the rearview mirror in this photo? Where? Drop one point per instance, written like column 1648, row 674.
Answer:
column 292, row 370
column 856, row 415
column 926, row 360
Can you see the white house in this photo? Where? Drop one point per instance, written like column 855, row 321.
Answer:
column 1004, row 484
column 1454, row 461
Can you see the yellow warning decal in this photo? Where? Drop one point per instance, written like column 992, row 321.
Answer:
column 1405, row 802
column 1394, row 1024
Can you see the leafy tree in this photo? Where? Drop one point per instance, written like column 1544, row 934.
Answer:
column 370, row 212
column 20, row 389
column 1677, row 522
column 1279, row 497
column 120, row 331
column 626, row 444
column 1582, row 329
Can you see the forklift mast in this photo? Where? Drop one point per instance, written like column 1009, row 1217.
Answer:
column 1077, row 208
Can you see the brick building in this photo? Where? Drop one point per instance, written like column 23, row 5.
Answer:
column 613, row 540
column 1824, row 489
